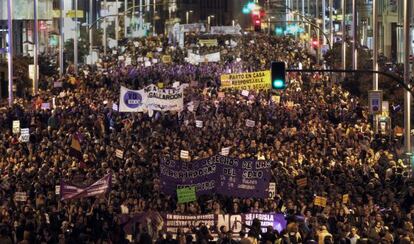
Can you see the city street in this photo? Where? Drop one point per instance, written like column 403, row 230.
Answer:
column 203, row 121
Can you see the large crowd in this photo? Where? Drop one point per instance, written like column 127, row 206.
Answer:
column 316, row 130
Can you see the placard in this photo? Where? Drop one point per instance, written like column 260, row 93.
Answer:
column 119, row 153
column 250, row 123
column 45, row 106
column 184, row 154
column 57, row 84
column 199, row 123
column 302, row 182
column 24, row 135
column 345, row 198
column 57, row 189
column 20, row 196
column 320, row 201
column 245, row 93
column 16, row 126
column 272, row 190
column 375, row 101
column 187, row 194
column 225, row 151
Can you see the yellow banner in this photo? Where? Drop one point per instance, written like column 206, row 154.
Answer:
column 208, row 42
column 246, row 81
column 71, row 14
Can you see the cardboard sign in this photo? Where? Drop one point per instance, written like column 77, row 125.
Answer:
column 45, row 106
column 302, row 182
column 186, row 194
column 250, row 123
column 345, row 198
column 246, row 81
column 166, row 59
column 225, row 151
column 24, row 135
column 272, row 190
column 119, row 153
column 20, row 196
column 184, row 154
column 199, row 123
column 16, row 126
column 320, row 201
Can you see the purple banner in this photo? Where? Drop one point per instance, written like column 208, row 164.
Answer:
column 217, row 174
column 68, row 191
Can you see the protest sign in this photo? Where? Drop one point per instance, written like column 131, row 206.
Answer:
column 199, row 123
column 218, row 174
column 246, row 81
column 208, row 42
column 69, row 191
column 57, row 84
column 320, row 201
column 45, row 106
column 250, row 123
column 272, row 190
column 20, row 196
column 302, row 182
column 225, row 151
column 245, row 93
column 24, row 135
column 16, row 126
column 184, row 154
column 119, row 153
column 276, row 99
column 345, row 198
column 57, row 189
column 114, row 106
column 166, row 59
column 186, row 194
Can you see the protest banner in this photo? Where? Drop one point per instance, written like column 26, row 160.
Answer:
column 246, row 81
column 226, row 30
column 196, row 59
column 208, row 42
column 16, row 127
column 186, row 194
column 151, row 97
column 69, row 191
column 20, row 196
column 302, row 182
column 233, row 222
column 218, row 174
column 320, row 201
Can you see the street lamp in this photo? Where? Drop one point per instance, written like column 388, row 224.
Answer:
column 10, row 56
column 187, row 15
column 407, row 95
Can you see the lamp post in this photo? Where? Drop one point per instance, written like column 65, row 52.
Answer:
column 61, row 39
column 407, row 95
column 90, row 29
column 209, row 19
column 343, row 36
column 187, row 16
column 10, row 51
column 75, row 39
column 375, row 43
column 36, row 48
column 354, row 36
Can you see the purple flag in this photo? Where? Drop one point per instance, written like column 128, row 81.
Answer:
column 68, row 191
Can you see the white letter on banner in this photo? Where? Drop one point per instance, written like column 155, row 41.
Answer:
column 236, row 226
column 223, row 219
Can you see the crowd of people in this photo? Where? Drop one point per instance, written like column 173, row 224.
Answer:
column 314, row 129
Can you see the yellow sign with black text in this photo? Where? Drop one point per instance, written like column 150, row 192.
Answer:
column 246, row 81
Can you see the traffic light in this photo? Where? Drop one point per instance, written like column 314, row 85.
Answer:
column 279, row 31
column 257, row 22
column 278, row 71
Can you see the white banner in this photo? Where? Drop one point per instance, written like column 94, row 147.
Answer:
column 226, row 30
column 151, row 97
column 196, row 59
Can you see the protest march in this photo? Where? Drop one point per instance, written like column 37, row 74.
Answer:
column 185, row 142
